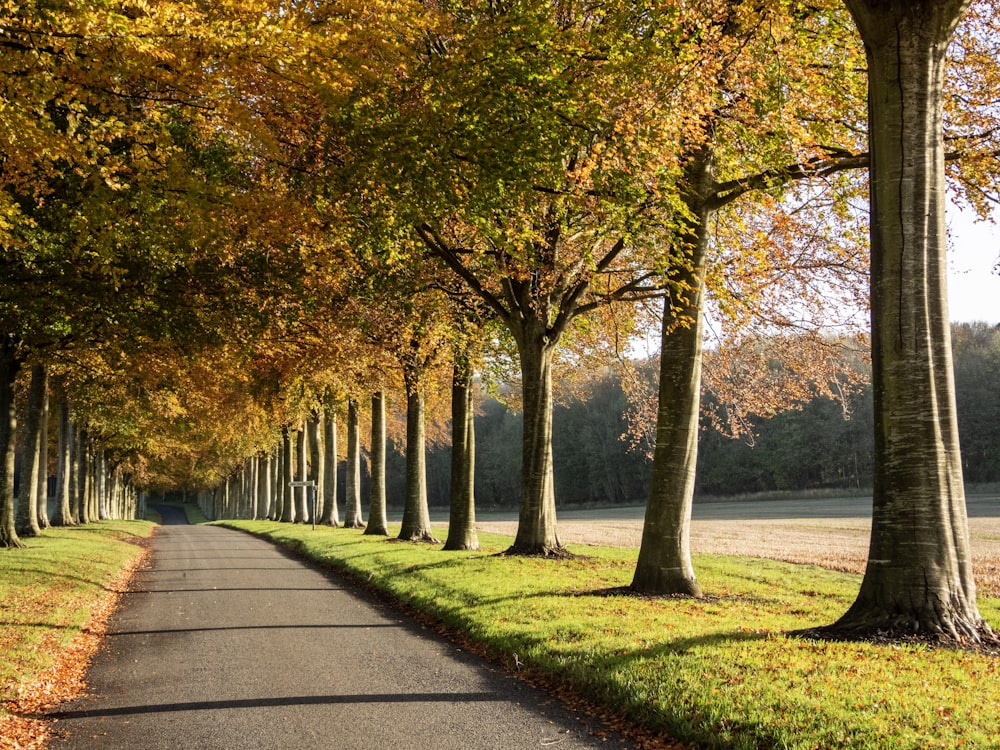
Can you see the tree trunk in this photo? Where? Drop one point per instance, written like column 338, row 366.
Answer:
column 75, row 496
column 416, row 525
column 462, row 511
column 302, row 493
column 352, row 501
column 265, row 501
column 27, row 499
column 81, row 460
column 536, row 527
column 278, row 476
column 314, row 437
column 43, row 462
column 331, row 515
column 664, row 563
column 101, row 483
column 287, row 462
column 64, row 516
column 918, row 581
column 9, row 367
column 377, row 520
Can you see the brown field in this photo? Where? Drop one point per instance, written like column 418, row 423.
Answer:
column 831, row 532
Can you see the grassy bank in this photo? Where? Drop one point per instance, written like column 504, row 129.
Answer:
column 717, row 672
column 49, row 590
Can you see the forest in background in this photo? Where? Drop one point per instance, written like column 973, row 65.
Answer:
column 825, row 444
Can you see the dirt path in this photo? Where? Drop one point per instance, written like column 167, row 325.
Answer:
column 831, row 532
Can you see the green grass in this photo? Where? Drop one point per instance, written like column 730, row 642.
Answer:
column 717, row 672
column 48, row 589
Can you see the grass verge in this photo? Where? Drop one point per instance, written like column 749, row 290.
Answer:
column 717, row 672
column 50, row 592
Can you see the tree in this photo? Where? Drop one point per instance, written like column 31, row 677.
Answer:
column 64, row 516
column 416, row 523
column 918, row 581
column 353, row 518
column 9, row 366
column 331, row 515
column 27, row 508
column 377, row 521
column 744, row 86
column 462, row 507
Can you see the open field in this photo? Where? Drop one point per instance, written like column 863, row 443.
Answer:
column 832, row 532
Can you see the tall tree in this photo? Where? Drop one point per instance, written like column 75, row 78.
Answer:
column 64, row 515
column 918, row 581
column 416, row 523
column 756, row 44
column 9, row 366
column 377, row 520
column 27, row 502
column 287, row 473
column 314, row 428
column 462, row 506
column 331, row 514
column 353, row 518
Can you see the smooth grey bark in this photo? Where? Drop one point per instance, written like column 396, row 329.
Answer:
column 378, row 523
column 43, row 463
column 416, row 524
column 64, row 516
column 462, row 510
column 26, row 520
column 81, row 460
column 101, row 483
column 664, row 563
column 536, row 527
column 279, row 473
column 75, row 492
column 256, row 484
column 287, row 462
column 272, row 481
column 9, row 367
column 331, row 513
column 314, row 436
column 262, row 502
column 303, row 511
column 352, row 495
column 918, row 581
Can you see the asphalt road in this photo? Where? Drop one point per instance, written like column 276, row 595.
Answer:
column 227, row 642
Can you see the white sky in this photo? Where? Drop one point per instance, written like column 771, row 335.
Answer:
column 973, row 257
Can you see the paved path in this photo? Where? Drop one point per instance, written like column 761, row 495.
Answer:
column 229, row 643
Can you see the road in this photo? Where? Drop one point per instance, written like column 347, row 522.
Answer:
column 227, row 642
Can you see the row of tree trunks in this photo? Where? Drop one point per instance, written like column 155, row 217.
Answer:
column 314, row 452
column 88, row 488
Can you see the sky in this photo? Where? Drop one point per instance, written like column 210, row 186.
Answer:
column 973, row 254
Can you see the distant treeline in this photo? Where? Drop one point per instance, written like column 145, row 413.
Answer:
column 823, row 445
